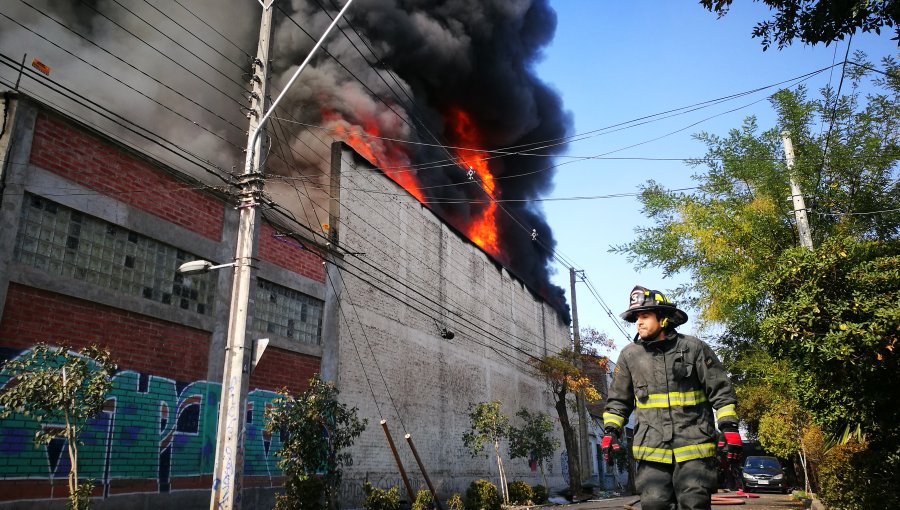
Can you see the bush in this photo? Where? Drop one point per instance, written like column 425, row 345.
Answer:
column 455, row 502
column 520, row 493
column 541, row 494
column 482, row 495
column 381, row 499
column 423, row 501
column 302, row 494
column 857, row 476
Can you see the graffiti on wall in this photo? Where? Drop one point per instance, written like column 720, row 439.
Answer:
column 151, row 428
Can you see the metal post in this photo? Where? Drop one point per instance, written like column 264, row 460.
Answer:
column 229, row 461
column 409, row 491
column 796, row 194
column 437, row 502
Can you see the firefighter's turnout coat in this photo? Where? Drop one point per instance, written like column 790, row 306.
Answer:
column 674, row 385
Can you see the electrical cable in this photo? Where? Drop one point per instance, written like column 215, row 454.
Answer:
column 195, row 36
column 117, row 119
column 220, row 34
column 390, row 276
column 157, row 50
column 134, row 89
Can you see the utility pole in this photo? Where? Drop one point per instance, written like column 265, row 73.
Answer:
column 583, row 453
column 796, row 194
column 228, row 473
column 229, row 462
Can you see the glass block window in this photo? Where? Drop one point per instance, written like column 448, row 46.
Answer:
column 65, row 242
column 288, row 313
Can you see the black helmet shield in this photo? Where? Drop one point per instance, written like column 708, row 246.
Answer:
column 643, row 299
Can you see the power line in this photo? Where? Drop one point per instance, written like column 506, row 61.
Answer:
column 119, row 120
column 129, row 86
column 162, row 53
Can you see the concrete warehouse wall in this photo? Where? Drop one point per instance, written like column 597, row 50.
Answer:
column 81, row 216
column 423, row 383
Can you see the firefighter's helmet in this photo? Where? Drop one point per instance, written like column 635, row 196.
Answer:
column 643, row 299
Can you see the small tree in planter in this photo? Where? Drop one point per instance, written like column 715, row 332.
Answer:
column 488, row 425
column 58, row 386
column 533, row 440
column 317, row 430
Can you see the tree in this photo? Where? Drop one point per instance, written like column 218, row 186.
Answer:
column 827, row 317
column 564, row 379
column 835, row 316
column 56, row 386
column 533, row 440
column 729, row 233
column 818, row 21
column 317, row 430
column 781, row 433
column 488, row 425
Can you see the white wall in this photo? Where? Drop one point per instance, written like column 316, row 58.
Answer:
column 423, row 383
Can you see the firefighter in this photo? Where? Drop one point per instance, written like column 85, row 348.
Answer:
column 678, row 389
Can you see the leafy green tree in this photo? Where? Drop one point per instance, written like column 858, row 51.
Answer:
column 54, row 385
column 564, row 378
column 826, row 318
column 488, row 425
column 818, row 21
column 730, row 232
column 533, row 439
column 317, row 430
column 835, row 316
column 781, row 431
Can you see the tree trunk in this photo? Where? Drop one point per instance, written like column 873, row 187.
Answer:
column 543, row 476
column 71, row 448
column 571, row 444
column 803, row 463
column 504, row 490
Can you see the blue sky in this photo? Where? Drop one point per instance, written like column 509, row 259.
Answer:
column 617, row 61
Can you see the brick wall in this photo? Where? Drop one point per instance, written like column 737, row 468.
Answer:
column 290, row 254
column 82, row 158
column 157, row 431
column 280, row 368
column 137, row 342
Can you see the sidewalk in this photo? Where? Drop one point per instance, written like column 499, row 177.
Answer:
column 599, row 504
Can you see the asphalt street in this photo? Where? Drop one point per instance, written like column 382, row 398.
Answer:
column 763, row 502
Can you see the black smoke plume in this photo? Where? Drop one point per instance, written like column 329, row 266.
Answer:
column 404, row 65
column 426, row 59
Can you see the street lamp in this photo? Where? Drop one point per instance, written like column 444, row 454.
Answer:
column 228, row 470
column 200, row 266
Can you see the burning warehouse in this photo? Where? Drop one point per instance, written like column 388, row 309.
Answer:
column 413, row 143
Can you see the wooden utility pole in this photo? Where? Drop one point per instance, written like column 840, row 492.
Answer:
column 796, row 194
column 583, row 443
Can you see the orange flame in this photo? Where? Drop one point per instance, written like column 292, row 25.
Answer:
column 483, row 229
column 387, row 156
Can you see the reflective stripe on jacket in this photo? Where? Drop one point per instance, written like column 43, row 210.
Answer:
column 673, row 386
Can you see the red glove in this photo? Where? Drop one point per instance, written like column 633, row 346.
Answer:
column 733, row 445
column 609, row 442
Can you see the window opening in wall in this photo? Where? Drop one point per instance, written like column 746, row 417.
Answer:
column 288, row 313
column 65, row 242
